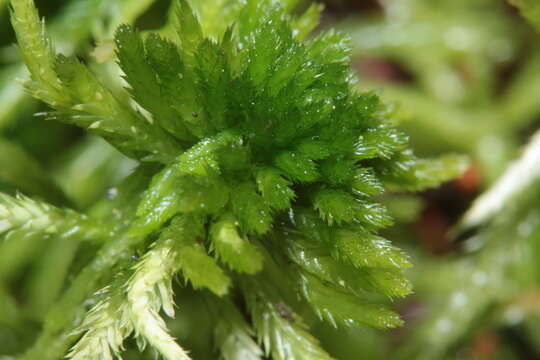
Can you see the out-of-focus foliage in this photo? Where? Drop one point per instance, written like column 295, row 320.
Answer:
column 457, row 83
column 530, row 9
column 462, row 76
column 465, row 75
column 494, row 281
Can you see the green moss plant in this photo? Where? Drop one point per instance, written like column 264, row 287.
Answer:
column 260, row 167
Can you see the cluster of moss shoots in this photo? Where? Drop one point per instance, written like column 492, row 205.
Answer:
column 260, row 166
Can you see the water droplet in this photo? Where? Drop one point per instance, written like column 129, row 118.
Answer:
column 112, row 193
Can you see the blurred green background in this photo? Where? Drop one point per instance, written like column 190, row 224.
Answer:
column 460, row 76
